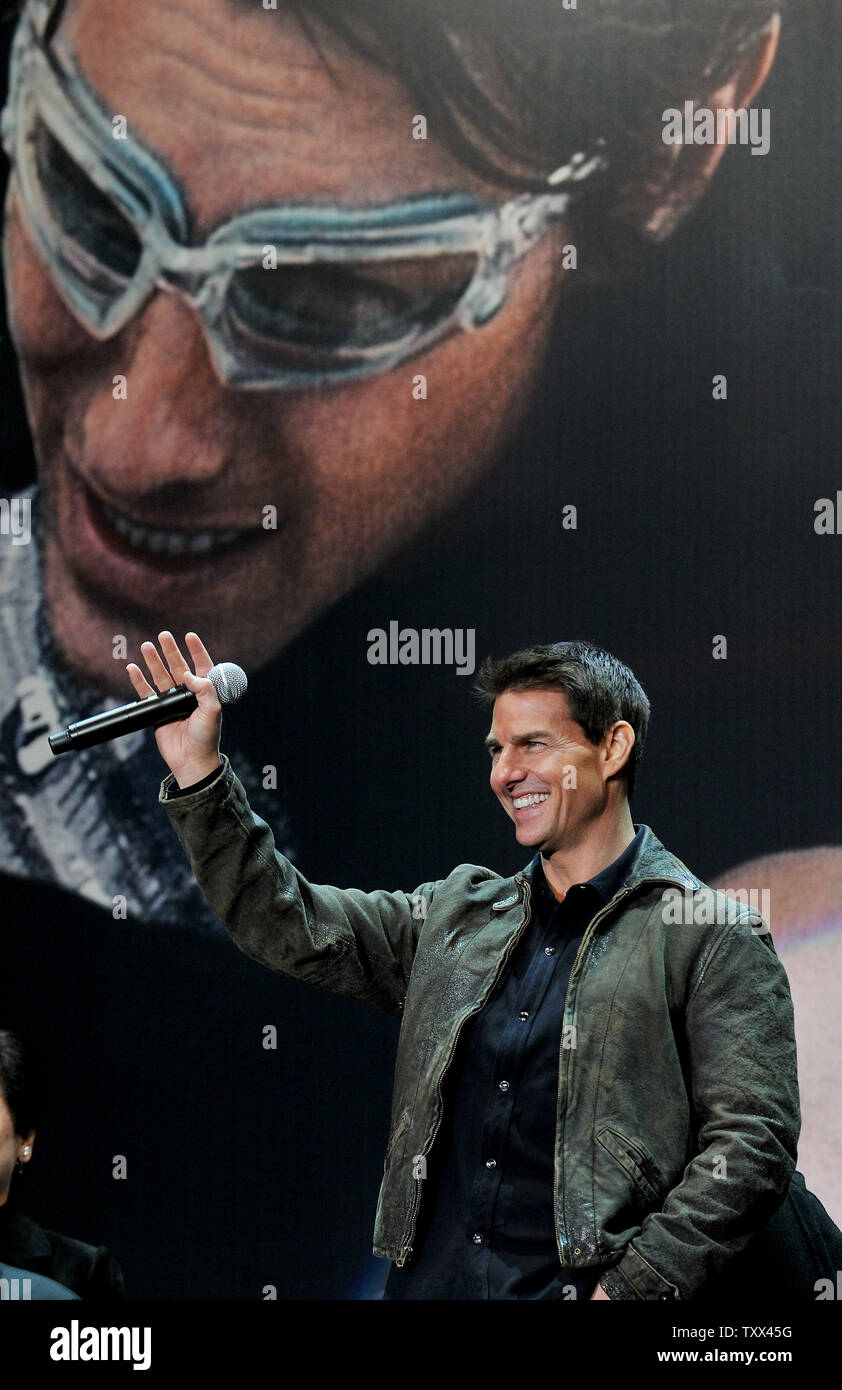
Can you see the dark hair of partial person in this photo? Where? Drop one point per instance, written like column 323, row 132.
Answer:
column 599, row 689
column 21, row 1081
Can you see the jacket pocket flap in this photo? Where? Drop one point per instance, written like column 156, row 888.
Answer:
column 634, row 1160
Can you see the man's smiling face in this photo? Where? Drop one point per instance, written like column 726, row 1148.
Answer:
column 154, row 504
column 547, row 776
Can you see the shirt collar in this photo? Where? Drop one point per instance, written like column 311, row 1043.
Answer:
column 607, row 883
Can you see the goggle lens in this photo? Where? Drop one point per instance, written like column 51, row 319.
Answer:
column 98, row 243
column 330, row 308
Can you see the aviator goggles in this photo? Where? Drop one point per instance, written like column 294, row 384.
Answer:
column 289, row 296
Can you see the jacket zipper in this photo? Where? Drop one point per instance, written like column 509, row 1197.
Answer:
column 406, row 1246
column 586, row 940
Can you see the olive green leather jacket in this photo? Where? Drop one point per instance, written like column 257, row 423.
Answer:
column 677, row 1105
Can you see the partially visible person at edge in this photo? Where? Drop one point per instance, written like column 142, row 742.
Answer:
column 595, row 1092
column 156, row 501
column 49, row 1259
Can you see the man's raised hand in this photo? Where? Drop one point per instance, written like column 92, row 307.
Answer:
column 190, row 747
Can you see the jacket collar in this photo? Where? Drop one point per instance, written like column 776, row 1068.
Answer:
column 653, row 863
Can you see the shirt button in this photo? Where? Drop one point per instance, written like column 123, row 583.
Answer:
column 476, row 1238
column 523, row 1015
column 549, row 950
column 491, row 1163
column 504, row 1085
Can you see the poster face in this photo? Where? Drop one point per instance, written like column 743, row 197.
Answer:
column 368, row 343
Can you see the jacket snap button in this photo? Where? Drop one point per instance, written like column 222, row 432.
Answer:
column 576, row 1250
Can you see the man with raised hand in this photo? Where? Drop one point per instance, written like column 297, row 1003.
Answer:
column 595, row 1093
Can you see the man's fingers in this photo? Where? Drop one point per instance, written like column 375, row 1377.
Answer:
column 202, row 662
column 175, row 660
column 203, row 690
column 139, row 681
column 175, row 667
column 157, row 670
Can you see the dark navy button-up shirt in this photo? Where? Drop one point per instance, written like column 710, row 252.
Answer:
column 486, row 1226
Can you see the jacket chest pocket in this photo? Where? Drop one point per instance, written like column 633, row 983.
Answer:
column 635, row 1161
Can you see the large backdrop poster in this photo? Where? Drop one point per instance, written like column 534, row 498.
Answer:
column 367, row 340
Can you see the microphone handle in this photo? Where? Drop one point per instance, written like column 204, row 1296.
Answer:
column 175, row 704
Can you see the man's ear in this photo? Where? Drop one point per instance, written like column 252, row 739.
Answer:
column 619, row 742
column 681, row 173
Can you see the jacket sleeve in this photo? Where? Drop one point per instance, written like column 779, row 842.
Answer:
column 744, row 1091
column 344, row 940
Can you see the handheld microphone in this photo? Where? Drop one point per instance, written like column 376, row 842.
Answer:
column 229, row 682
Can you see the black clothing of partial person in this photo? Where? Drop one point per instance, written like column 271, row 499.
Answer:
column 89, row 1271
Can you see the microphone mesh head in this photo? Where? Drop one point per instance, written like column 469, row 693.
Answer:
column 229, row 681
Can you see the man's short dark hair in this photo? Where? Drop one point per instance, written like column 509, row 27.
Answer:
column 558, row 71
column 599, row 689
